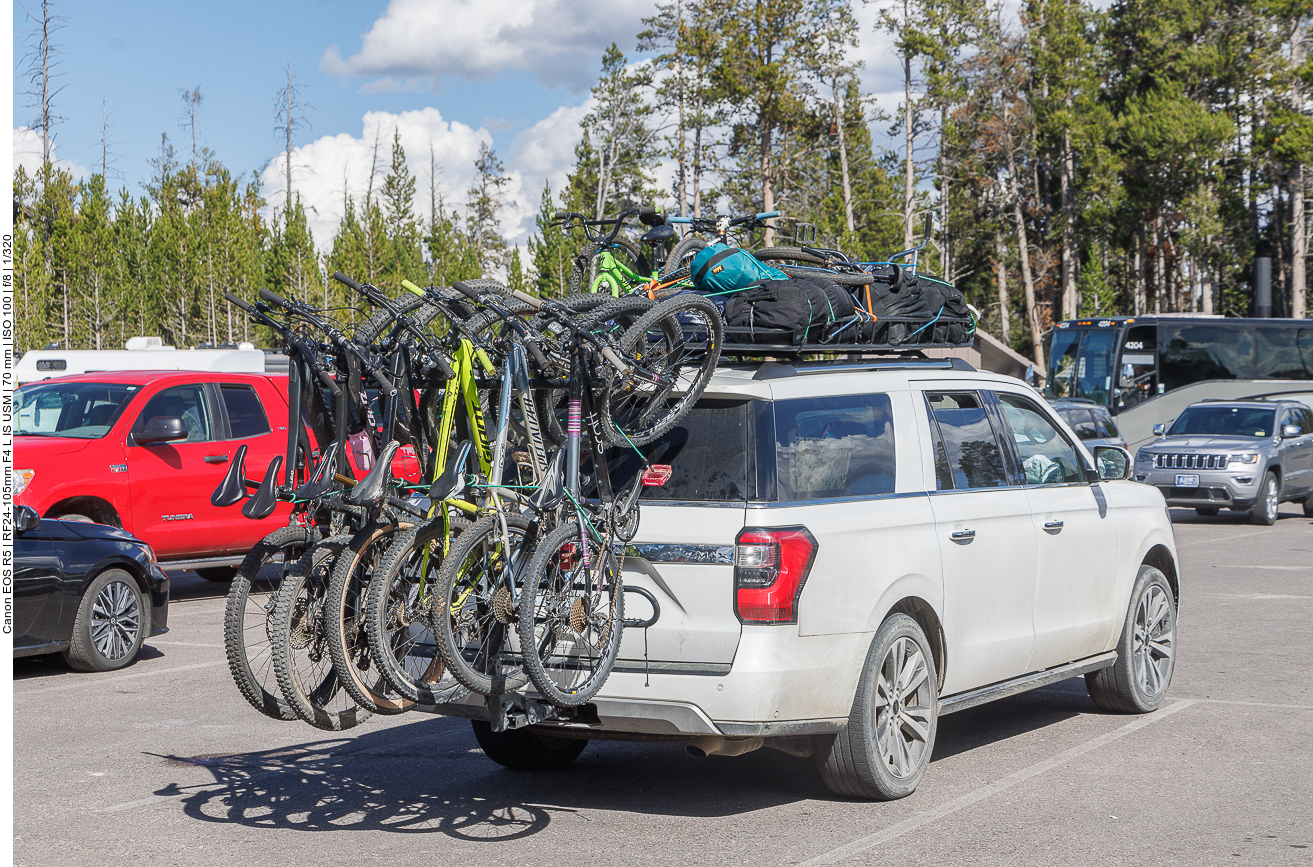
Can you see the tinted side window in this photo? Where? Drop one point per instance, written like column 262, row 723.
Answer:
column 1046, row 458
column 1107, row 429
column 707, row 453
column 834, row 447
column 246, row 416
column 967, row 454
column 1306, row 416
column 185, row 402
column 1082, row 422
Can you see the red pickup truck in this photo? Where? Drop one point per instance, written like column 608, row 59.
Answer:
column 77, row 457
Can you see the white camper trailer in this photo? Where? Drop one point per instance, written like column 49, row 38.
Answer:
column 141, row 353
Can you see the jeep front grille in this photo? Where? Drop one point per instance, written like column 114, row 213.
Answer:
column 1191, row 462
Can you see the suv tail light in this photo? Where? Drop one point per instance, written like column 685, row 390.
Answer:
column 770, row 566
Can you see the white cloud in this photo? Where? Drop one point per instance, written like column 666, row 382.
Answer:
column 330, row 168
column 327, row 170
column 558, row 41
column 28, row 154
column 545, row 151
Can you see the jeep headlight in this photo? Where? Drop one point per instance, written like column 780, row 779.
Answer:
column 1245, row 458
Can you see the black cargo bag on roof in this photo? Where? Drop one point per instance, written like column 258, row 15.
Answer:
column 771, row 304
column 946, row 304
column 896, row 296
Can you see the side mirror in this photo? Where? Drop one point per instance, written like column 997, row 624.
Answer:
column 1290, row 431
column 162, row 429
column 1113, row 463
column 25, row 518
column 1160, row 430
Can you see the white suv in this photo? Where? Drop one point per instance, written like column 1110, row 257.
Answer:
column 845, row 552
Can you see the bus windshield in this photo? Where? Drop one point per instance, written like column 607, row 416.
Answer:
column 1081, row 363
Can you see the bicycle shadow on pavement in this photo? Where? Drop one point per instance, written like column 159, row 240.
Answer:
column 404, row 779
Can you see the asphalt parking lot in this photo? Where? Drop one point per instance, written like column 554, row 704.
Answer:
column 164, row 763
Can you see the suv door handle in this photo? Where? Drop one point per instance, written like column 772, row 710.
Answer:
column 1053, row 526
column 962, row 535
column 216, row 459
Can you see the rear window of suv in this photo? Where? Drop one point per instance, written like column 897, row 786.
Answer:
column 830, row 447
column 707, row 453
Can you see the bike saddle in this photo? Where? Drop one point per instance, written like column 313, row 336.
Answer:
column 232, row 490
column 322, row 481
column 657, row 234
column 553, row 488
column 452, row 480
column 370, row 489
column 262, row 504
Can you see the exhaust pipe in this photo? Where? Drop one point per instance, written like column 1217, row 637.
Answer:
column 714, row 745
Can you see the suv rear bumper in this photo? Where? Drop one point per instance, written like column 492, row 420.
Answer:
column 781, row 684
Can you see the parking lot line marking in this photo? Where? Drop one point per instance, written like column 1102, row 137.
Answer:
column 94, row 680
column 1253, row 703
column 920, row 820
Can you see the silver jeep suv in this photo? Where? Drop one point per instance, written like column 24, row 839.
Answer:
column 1241, row 455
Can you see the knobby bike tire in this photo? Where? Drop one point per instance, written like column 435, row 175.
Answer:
column 348, row 644
column 398, row 615
column 679, row 339
column 305, row 670
column 787, row 254
column 246, row 614
column 613, row 316
column 472, row 611
column 843, row 279
column 570, row 630
column 684, row 250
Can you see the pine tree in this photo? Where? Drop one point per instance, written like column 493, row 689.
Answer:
column 551, row 250
column 483, row 210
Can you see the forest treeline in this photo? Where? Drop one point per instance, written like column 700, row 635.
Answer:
column 1077, row 161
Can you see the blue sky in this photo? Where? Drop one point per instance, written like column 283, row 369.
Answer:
column 447, row 74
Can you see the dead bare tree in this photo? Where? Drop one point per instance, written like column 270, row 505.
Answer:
column 289, row 115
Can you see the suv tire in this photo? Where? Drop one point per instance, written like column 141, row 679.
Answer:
column 884, row 749
column 525, row 750
column 1308, row 508
column 1265, row 508
column 1146, row 652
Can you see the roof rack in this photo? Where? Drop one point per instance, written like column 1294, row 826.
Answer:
column 778, row 370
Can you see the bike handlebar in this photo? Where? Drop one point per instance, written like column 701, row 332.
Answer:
column 347, row 281
column 238, row 303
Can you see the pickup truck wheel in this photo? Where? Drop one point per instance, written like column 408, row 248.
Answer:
column 1267, row 505
column 526, row 750
column 1146, row 652
column 884, row 749
column 111, row 624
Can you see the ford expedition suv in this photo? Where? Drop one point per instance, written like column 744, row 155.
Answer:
column 845, row 552
column 100, row 447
